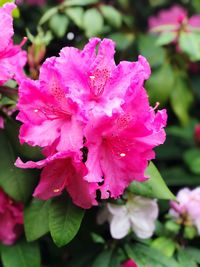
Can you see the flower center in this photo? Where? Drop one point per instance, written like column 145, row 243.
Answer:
column 98, row 81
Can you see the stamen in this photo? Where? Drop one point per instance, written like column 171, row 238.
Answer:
column 156, row 106
column 56, row 190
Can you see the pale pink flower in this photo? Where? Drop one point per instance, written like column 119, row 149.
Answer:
column 11, row 219
column 87, row 106
column 12, row 58
column 188, row 206
column 173, row 19
column 129, row 263
column 139, row 214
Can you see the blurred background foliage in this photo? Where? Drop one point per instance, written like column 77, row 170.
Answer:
column 174, row 83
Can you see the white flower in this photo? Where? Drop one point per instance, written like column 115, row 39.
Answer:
column 138, row 214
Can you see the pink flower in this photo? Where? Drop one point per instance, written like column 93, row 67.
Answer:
column 11, row 219
column 197, row 133
column 173, row 19
column 129, row 263
column 1, row 123
column 188, row 206
column 95, row 117
column 12, row 58
column 63, row 170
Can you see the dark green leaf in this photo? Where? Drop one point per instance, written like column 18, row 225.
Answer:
column 122, row 40
column 192, row 159
column 103, row 259
column 18, row 183
column 155, row 55
column 155, row 187
column 181, row 99
column 36, row 219
column 21, row 254
column 158, row 90
column 64, row 221
column 185, row 259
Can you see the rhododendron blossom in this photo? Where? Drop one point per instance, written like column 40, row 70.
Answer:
column 138, row 214
column 92, row 118
column 173, row 19
column 187, row 209
column 12, row 58
column 129, row 263
column 11, row 219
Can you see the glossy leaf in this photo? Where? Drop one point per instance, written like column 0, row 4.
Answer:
column 21, row 254
column 155, row 187
column 64, row 221
column 18, row 183
column 36, row 222
column 166, row 245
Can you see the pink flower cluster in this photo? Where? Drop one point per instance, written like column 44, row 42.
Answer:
column 11, row 219
column 188, row 206
column 12, row 58
column 173, row 19
column 93, row 121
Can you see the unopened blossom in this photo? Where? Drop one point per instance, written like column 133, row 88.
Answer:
column 11, row 219
column 12, row 58
column 87, row 109
column 129, row 263
column 1, row 123
column 197, row 133
column 139, row 214
column 174, row 19
column 187, row 208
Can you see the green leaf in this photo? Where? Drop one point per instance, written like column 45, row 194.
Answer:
column 97, row 238
column 21, row 254
column 103, row 259
column 64, row 221
column 58, row 24
column 155, row 55
column 165, row 38
column 154, row 187
column 166, row 245
column 186, row 260
column 36, row 222
column 92, row 22
column 181, row 99
column 123, row 40
column 112, row 15
column 194, row 253
column 190, row 232
column 144, row 256
column 76, row 15
column 192, row 159
column 17, row 183
column 158, row 90
column 67, row 3
column 48, row 15
column 189, row 43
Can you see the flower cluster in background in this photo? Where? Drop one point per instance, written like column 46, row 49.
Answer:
column 11, row 219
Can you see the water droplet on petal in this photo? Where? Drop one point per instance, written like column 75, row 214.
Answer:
column 122, row 155
column 56, row 190
column 36, row 110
